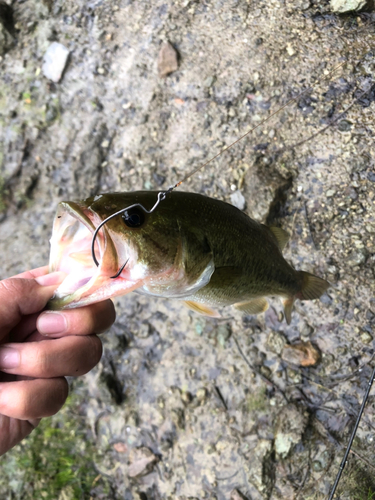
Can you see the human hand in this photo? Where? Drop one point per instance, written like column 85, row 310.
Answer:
column 39, row 348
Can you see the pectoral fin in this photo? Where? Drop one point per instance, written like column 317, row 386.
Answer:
column 201, row 309
column 254, row 306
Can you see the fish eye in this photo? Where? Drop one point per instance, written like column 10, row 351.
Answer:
column 134, row 217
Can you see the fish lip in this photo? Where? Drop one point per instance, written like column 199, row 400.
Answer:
column 74, row 286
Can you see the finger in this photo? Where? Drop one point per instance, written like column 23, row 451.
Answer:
column 33, row 273
column 95, row 318
column 24, row 329
column 12, row 431
column 71, row 355
column 31, row 399
column 20, row 297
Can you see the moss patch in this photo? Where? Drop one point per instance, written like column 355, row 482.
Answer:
column 56, row 460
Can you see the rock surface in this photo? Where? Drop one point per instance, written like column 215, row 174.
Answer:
column 342, row 6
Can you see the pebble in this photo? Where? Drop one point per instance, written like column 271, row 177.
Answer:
column 237, row 495
column 142, row 461
column 209, row 81
column 223, row 334
column 276, row 342
column 290, row 426
column 341, row 6
column 290, row 50
column 345, row 126
column 357, row 257
column 238, row 200
column 317, row 466
column 54, row 61
column 167, row 60
column 201, row 394
column 366, row 338
column 330, row 193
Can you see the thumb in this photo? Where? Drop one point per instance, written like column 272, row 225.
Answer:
column 20, row 297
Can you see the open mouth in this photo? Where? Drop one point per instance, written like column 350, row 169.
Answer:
column 71, row 253
column 71, row 250
column 87, row 283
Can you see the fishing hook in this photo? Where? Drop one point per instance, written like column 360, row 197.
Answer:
column 161, row 197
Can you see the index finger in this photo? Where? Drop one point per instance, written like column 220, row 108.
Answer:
column 33, row 273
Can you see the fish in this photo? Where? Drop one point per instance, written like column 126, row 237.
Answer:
column 194, row 248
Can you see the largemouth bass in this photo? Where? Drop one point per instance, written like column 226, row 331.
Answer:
column 192, row 247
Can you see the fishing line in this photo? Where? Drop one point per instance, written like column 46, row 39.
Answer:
column 354, row 432
column 162, row 194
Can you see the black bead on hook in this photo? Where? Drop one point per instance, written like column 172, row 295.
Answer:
column 161, row 196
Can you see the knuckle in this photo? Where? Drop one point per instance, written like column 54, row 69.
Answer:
column 24, row 406
column 96, row 349
column 9, row 286
column 105, row 316
column 92, row 350
column 60, row 393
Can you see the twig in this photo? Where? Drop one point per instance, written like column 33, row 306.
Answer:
column 364, row 459
column 316, row 245
column 221, row 397
column 344, row 378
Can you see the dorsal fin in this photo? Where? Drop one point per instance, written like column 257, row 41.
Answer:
column 281, row 236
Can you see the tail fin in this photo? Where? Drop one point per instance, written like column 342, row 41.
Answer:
column 312, row 286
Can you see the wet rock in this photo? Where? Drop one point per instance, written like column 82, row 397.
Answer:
column 167, row 60
column 142, row 461
column 357, row 257
column 301, row 354
column 276, row 342
column 238, row 200
column 55, row 60
column 290, row 426
column 341, row 6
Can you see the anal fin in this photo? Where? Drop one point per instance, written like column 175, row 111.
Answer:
column 201, row 309
column 253, row 306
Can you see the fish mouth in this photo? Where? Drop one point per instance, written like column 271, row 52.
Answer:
column 71, row 253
